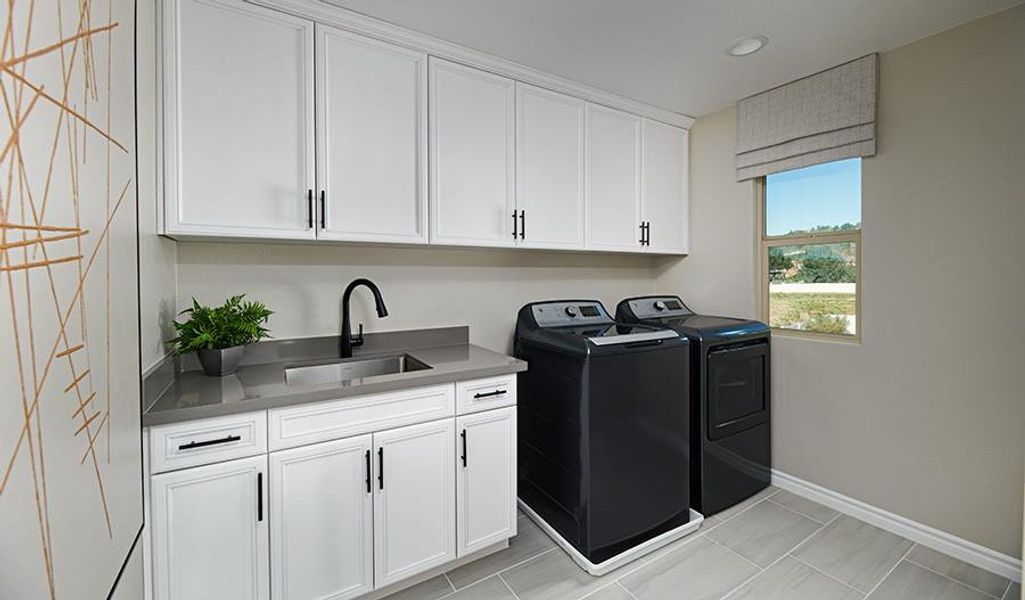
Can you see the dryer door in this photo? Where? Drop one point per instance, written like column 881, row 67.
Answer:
column 737, row 389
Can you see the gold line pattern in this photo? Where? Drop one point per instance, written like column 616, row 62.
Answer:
column 46, row 261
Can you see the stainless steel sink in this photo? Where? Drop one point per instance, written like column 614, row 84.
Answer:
column 345, row 372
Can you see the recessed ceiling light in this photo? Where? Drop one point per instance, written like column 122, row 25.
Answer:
column 748, row 45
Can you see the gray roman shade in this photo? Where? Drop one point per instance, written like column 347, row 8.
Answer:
column 824, row 117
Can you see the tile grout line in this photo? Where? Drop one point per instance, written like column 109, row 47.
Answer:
column 795, row 511
column 890, row 572
column 958, row 581
column 648, row 559
column 773, row 564
column 824, row 525
column 820, row 571
column 506, row 584
column 502, row 570
column 450, row 584
column 628, row 592
column 741, row 556
column 1007, row 590
column 738, row 513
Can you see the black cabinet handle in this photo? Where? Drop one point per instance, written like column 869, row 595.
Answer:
column 647, row 233
column 309, row 209
column 463, row 457
column 514, row 224
column 323, row 210
column 223, row 440
column 259, row 496
column 523, row 224
column 489, row 394
column 641, row 241
column 368, row 471
column 380, row 468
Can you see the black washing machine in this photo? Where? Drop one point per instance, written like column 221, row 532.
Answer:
column 603, row 431
column 731, row 456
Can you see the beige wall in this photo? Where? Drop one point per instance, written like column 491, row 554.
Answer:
column 925, row 417
column 157, row 255
column 428, row 287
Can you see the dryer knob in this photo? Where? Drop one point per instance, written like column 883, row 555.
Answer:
column 571, row 311
column 659, row 305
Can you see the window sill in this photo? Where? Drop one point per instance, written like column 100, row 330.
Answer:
column 847, row 340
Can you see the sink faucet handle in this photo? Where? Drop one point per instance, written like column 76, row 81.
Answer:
column 358, row 340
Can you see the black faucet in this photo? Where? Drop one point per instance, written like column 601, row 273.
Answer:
column 347, row 340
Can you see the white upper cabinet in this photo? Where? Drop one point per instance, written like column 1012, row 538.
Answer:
column 238, row 105
column 415, row 504
column 321, row 514
column 613, row 179
column 486, row 478
column 371, row 139
column 664, row 184
column 549, row 168
column 472, row 140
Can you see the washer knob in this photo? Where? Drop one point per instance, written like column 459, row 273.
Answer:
column 659, row 305
column 571, row 311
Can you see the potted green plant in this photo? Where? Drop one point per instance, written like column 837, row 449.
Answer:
column 218, row 335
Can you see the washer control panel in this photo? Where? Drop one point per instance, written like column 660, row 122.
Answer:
column 573, row 312
column 658, row 306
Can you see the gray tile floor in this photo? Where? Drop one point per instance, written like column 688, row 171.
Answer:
column 774, row 546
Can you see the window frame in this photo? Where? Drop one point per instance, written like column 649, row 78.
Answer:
column 766, row 241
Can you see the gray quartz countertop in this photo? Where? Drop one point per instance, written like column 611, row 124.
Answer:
column 259, row 385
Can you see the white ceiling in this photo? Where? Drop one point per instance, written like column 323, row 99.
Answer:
column 671, row 53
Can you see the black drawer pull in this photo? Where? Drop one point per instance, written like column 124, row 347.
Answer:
column 259, row 497
column 368, row 472
column 463, row 457
column 523, row 224
column 380, row 468
column 223, row 440
column 515, row 234
column 489, row 394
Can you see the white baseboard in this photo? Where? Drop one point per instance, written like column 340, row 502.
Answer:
column 947, row 543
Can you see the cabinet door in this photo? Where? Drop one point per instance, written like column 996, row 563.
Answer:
column 472, row 155
column 321, row 517
column 239, row 129
column 613, row 179
column 665, row 187
column 372, row 138
column 414, row 507
column 549, row 168
column 210, row 531
column 486, row 478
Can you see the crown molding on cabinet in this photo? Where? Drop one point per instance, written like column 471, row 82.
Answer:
column 349, row 20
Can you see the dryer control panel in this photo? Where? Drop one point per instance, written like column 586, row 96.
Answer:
column 653, row 307
column 572, row 312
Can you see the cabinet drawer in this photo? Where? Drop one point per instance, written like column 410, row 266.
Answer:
column 485, row 394
column 207, row 441
column 291, row 427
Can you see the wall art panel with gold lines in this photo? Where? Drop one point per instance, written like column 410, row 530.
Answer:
column 70, row 484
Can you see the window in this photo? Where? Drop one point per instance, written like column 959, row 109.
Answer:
column 811, row 249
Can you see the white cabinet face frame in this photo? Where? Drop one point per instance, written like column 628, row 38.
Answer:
column 613, row 180
column 232, row 170
column 549, row 168
column 415, row 503
column 321, row 519
column 210, row 535
column 665, row 187
column 486, row 478
column 371, row 139
column 472, row 156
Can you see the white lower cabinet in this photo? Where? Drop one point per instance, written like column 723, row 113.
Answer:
column 414, row 511
column 486, row 478
column 321, row 513
column 339, row 518
column 210, row 532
